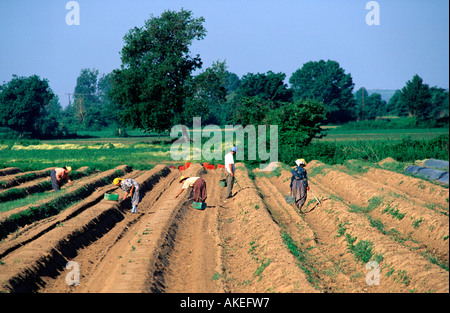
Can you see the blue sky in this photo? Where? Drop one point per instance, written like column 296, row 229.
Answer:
column 253, row 36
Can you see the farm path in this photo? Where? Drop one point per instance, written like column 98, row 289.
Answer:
column 196, row 257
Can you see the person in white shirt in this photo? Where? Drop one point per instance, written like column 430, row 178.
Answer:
column 229, row 171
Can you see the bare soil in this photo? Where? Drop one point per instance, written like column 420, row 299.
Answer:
column 252, row 243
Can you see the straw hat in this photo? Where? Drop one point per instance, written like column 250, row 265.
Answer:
column 183, row 178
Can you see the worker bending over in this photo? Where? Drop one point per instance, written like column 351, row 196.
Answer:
column 132, row 189
column 58, row 175
column 198, row 184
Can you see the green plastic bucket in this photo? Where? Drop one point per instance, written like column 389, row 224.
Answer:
column 199, row 205
column 289, row 199
column 112, row 197
column 222, row 183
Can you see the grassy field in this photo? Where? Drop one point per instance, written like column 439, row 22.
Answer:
column 100, row 154
column 338, row 134
column 101, row 150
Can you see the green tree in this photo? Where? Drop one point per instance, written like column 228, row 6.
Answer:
column 233, row 82
column 298, row 124
column 377, row 106
column 22, row 101
column 268, row 86
column 361, row 97
column 396, row 106
column 153, row 82
column 88, row 111
column 110, row 109
column 369, row 107
column 326, row 82
column 256, row 95
column 439, row 102
column 416, row 96
column 209, row 94
column 48, row 124
column 251, row 111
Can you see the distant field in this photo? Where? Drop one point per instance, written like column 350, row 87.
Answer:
column 333, row 133
column 101, row 150
column 337, row 134
column 100, row 153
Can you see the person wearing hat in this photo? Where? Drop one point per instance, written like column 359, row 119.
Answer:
column 229, row 171
column 58, row 175
column 299, row 183
column 198, row 184
column 132, row 189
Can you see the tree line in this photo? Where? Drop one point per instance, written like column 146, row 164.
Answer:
column 156, row 88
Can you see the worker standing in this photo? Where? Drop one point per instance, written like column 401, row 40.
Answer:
column 58, row 175
column 197, row 183
column 299, row 183
column 229, row 171
column 132, row 189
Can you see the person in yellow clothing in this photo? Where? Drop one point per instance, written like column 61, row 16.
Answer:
column 198, row 184
column 58, row 175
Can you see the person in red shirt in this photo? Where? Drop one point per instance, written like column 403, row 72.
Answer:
column 58, row 175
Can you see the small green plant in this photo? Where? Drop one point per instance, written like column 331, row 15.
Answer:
column 302, row 258
column 264, row 263
column 394, row 212
column 363, row 250
column 216, row 276
column 402, row 277
column 374, row 202
column 342, row 229
column 416, row 223
column 378, row 224
column 390, row 272
column 253, row 247
column 350, row 241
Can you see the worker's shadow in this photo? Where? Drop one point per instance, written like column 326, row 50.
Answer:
column 124, row 205
column 317, row 204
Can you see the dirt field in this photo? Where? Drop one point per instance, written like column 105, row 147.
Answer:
column 377, row 231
